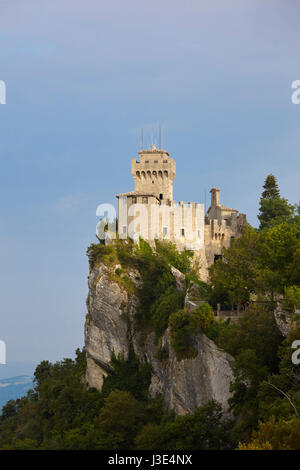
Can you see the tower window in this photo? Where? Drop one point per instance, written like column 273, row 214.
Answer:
column 198, row 233
column 145, row 200
column 124, row 229
column 182, row 232
column 165, row 230
column 161, row 196
column 134, row 200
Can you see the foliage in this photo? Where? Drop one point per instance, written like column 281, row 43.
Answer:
column 180, row 329
column 169, row 301
column 263, row 263
column 59, row 404
column 116, row 425
column 273, row 209
column 234, row 275
column 291, row 298
column 253, row 341
column 275, row 435
column 168, row 251
column 204, row 429
column 63, row 414
column 128, row 375
column 183, row 324
column 157, row 290
column 99, row 253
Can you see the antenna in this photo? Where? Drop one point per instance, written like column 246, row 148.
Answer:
column 162, row 133
column 142, row 138
column 160, row 136
column 204, row 201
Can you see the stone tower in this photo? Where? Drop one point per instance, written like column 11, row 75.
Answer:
column 154, row 173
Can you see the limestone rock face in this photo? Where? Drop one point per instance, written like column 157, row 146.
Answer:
column 109, row 328
column 106, row 325
column 179, row 278
column 192, row 382
column 283, row 320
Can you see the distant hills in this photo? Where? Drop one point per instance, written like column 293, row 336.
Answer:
column 16, row 378
column 14, row 387
column 17, row 368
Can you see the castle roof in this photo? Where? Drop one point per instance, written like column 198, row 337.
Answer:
column 224, row 208
column 138, row 193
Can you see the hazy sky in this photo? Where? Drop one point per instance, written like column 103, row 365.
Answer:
column 82, row 78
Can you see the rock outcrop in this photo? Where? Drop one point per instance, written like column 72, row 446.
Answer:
column 109, row 328
column 283, row 320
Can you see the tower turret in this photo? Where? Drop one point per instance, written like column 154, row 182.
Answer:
column 215, row 196
column 154, row 173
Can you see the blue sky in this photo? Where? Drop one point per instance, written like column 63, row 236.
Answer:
column 82, row 78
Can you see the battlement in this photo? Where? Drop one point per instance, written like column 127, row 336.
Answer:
column 155, row 173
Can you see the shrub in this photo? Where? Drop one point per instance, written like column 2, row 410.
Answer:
column 180, row 327
column 125, row 252
column 98, row 253
column 169, row 302
column 128, row 375
column 202, row 317
column 180, row 261
column 291, row 298
column 272, row 435
column 184, row 324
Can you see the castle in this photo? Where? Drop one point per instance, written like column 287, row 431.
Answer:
column 150, row 212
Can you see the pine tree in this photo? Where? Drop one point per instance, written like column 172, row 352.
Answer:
column 271, row 189
column 273, row 209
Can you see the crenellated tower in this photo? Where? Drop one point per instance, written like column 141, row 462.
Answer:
column 154, row 173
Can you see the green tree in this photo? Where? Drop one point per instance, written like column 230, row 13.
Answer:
column 277, row 251
column 128, row 375
column 204, row 429
column 150, row 438
column 249, row 372
column 273, row 209
column 117, row 423
column 170, row 301
column 271, row 189
column 275, row 435
column 234, row 275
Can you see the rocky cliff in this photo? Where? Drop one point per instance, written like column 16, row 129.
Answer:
column 110, row 327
